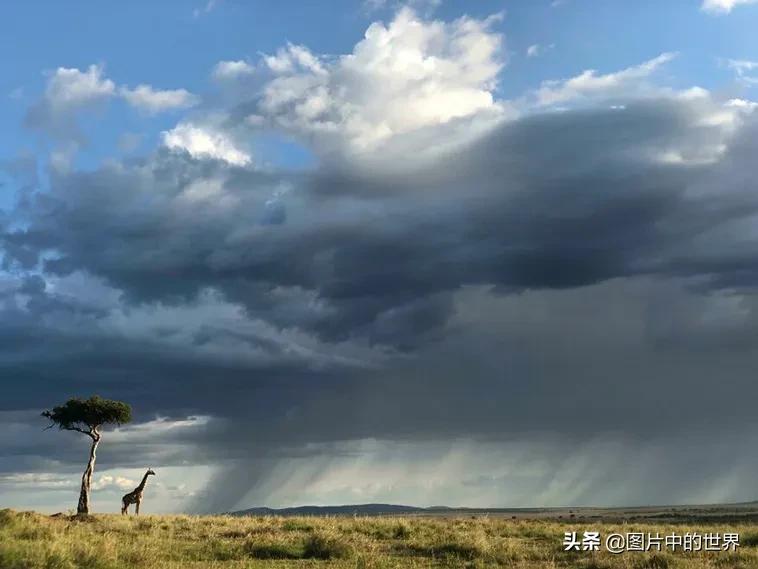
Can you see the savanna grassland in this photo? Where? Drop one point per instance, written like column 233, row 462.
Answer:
column 30, row 540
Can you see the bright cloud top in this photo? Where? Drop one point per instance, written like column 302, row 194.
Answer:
column 205, row 142
column 401, row 77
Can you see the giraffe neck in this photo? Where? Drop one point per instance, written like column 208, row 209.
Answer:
column 141, row 486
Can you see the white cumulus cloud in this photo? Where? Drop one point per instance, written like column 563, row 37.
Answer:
column 226, row 70
column 108, row 482
column 70, row 92
column 590, row 84
column 205, row 142
column 403, row 76
column 152, row 101
column 69, row 89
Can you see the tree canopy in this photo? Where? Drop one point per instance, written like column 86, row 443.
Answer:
column 86, row 415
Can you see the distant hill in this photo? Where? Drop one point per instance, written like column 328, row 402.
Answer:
column 348, row 510
column 672, row 511
column 363, row 510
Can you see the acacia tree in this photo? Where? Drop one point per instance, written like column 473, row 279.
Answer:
column 87, row 416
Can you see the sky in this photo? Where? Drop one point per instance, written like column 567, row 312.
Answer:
column 482, row 253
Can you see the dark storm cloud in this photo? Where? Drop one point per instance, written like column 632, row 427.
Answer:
column 553, row 201
column 562, row 274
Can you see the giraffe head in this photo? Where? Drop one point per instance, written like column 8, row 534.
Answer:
column 150, row 472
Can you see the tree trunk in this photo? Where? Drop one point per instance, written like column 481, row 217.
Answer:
column 83, row 507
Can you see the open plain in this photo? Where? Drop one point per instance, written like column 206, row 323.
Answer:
column 455, row 538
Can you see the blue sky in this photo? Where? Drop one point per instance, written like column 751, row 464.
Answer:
column 480, row 253
column 175, row 44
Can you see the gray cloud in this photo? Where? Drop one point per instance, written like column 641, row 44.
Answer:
column 559, row 278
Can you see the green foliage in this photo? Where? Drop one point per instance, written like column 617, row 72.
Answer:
column 87, row 414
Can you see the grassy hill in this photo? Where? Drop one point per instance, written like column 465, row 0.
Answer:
column 29, row 540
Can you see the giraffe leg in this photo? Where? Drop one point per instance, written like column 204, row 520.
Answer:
column 137, row 507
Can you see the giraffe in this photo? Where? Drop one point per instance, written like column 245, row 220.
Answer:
column 135, row 496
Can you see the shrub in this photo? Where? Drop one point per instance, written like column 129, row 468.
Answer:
column 234, row 533
column 221, row 550
column 58, row 561
column 7, row 517
column 34, row 533
column 91, row 559
column 458, row 549
column 655, row 561
column 144, row 525
column 273, row 551
column 595, row 564
column 325, row 546
column 297, row 525
column 401, row 531
column 14, row 560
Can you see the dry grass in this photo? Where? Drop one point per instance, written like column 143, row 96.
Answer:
column 29, row 540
